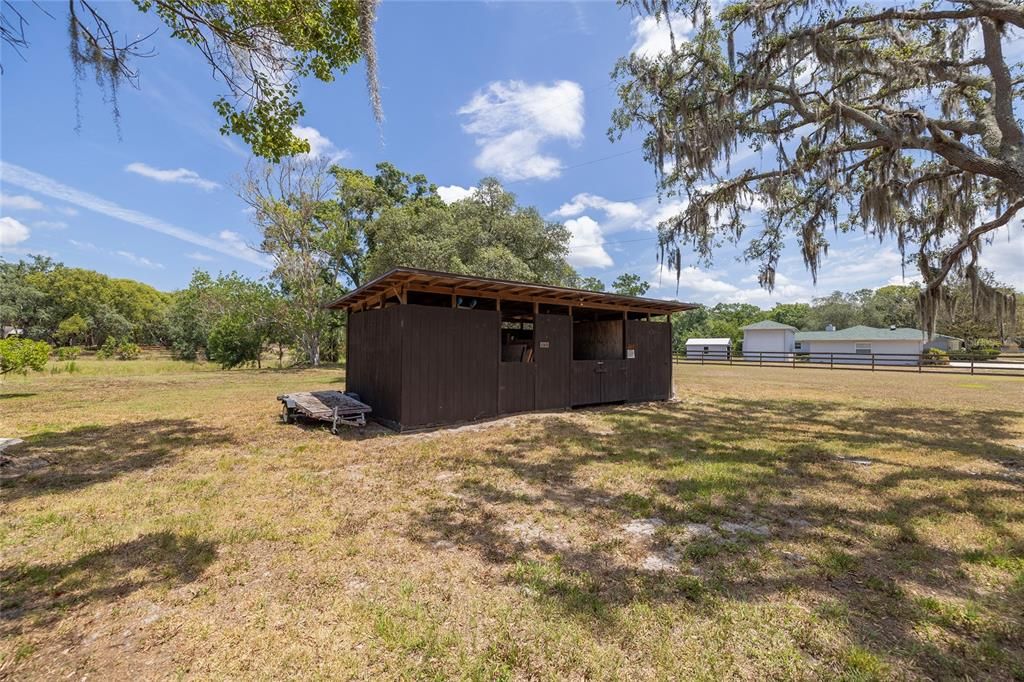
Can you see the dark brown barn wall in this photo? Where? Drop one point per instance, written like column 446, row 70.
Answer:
column 516, row 387
column 423, row 366
column 650, row 372
column 615, row 381
column 374, row 361
column 554, row 362
column 450, row 365
column 586, row 382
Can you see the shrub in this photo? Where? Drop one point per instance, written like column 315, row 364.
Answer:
column 108, row 349
column 122, row 350
column 66, row 353
column 985, row 349
column 935, row 356
column 19, row 355
column 128, row 350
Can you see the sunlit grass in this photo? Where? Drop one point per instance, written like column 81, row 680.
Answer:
column 770, row 524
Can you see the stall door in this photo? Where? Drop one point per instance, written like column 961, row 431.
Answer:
column 599, row 381
column 553, row 353
column 650, row 368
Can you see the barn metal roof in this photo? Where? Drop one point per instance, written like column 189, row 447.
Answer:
column 400, row 280
column 862, row 332
column 723, row 341
column 769, row 324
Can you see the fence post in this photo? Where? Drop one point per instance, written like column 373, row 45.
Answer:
column 831, row 360
column 972, row 365
column 872, row 362
column 920, row 363
column 760, row 359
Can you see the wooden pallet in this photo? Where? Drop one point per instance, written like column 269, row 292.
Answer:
column 330, row 406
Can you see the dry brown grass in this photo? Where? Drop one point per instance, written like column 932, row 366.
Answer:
column 166, row 525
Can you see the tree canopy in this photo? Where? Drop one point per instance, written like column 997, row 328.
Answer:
column 260, row 50
column 903, row 122
column 630, row 284
column 72, row 305
column 487, row 234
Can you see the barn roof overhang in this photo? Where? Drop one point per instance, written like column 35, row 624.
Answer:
column 399, row 281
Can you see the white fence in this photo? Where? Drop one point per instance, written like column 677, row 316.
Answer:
column 884, row 362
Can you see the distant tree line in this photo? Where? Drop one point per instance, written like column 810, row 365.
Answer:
column 327, row 230
column 883, row 307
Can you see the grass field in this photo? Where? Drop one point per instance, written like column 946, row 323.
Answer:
column 771, row 524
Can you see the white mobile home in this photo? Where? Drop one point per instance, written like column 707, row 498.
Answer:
column 768, row 341
column 711, row 349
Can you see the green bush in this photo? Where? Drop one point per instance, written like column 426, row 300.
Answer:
column 19, row 355
column 234, row 341
column 985, row 349
column 66, row 353
column 122, row 350
column 935, row 356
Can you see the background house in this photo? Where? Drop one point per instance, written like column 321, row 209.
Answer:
column 768, row 341
column 711, row 348
column 771, row 341
column 902, row 345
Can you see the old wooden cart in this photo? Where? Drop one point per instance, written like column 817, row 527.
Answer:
column 329, row 406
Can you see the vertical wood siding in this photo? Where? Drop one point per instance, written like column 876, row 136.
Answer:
column 373, row 365
column 650, row 373
column 516, row 387
column 450, row 365
column 554, row 363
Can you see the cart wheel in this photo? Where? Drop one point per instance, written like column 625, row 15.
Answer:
column 285, row 416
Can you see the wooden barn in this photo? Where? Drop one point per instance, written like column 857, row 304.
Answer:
column 432, row 348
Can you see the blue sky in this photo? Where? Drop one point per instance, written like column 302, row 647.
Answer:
column 517, row 90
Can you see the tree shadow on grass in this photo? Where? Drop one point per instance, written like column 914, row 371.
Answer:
column 62, row 461
column 37, row 595
column 8, row 396
column 736, row 483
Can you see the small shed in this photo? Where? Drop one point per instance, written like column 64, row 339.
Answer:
column 433, row 348
column 710, row 349
column 945, row 342
column 768, row 341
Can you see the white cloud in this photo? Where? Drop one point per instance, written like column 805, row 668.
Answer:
column 586, row 244
column 12, row 232
column 1004, row 255
column 84, row 246
column 511, row 120
column 711, row 287
column 24, row 178
column 651, row 34
column 183, row 176
column 200, row 256
column 613, row 210
column 68, row 211
column 20, row 202
column 452, row 193
column 141, row 261
column 50, row 224
column 133, row 258
column 233, row 240
column 319, row 144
